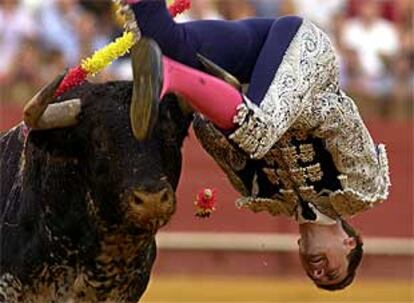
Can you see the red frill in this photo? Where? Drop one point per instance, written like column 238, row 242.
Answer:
column 179, row 6
column 205, row 203
column 76, row 76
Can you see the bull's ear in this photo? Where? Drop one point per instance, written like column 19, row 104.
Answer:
column 66, row 142
column 174, row 120
column 178, row 115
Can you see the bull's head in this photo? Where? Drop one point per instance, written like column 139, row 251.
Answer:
column 127, row 179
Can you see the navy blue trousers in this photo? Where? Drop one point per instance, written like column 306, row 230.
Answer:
column 250, row 49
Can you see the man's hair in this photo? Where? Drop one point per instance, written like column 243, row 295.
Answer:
column 354, row 259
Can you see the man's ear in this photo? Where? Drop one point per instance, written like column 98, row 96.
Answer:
column 350, row 243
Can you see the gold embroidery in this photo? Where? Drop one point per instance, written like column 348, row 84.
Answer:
column 308, row 193
column 235, row 159
column 290, row 155
column 320, row 200
column 273, row 157
column 314, row 173
column 272, row 176
column 285, row 178
column 346, row 205
column 299, row 175
column 300, row 135
column 217, row 146
column 307, row 152
column 274, row 206
column 285, row 139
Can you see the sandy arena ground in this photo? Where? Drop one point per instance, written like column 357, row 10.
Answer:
column 259, row 290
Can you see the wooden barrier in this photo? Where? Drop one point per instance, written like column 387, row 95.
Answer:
column 261, row 242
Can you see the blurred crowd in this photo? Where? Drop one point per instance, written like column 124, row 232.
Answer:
column 374, row 40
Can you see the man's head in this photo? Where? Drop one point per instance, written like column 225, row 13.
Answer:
column 330, row 255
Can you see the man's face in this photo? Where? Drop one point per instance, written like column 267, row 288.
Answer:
column 325, row 259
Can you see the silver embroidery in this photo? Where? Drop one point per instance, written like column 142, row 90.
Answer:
column 255, row 128
column 363, row 165
column 308, row 65
column 304, row 96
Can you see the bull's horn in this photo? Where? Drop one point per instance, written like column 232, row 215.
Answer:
column 37, row 115
column 219, row 72
column 59, row 115
column 147, row 71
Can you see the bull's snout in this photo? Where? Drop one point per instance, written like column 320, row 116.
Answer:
column 151, row 210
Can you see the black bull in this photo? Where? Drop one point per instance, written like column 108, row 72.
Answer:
column 80, row 205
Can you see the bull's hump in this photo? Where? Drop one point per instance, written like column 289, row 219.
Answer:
column 11, row 148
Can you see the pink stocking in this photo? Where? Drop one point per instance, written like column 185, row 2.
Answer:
column 212, row 97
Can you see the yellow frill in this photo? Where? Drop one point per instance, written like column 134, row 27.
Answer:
column 105, row 56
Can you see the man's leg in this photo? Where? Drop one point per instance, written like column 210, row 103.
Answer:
column 271, row 55
column 233, row 45
column 214, row 98
column 217, row 100
column 159, row 75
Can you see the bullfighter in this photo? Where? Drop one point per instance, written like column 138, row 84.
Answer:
column 292, row 144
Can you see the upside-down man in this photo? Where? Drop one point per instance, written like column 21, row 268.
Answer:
column 294, row 144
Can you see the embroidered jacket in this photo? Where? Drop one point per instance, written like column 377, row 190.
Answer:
column 305, row 142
